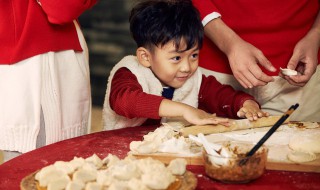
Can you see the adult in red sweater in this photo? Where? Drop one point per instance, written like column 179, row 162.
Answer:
column 169, row 36
column 248, row 41
column 44, row 74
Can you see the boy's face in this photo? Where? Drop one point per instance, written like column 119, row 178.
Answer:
column 174, row 67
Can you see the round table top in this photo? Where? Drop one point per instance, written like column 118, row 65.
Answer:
column 117, row 142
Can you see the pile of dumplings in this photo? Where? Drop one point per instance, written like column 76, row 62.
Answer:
column 110, row 173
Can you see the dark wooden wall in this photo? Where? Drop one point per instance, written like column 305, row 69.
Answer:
column 106, row 29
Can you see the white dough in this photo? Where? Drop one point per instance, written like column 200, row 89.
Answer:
column 300, row 157
column 306, row 142
column 288, row 72
column 94, row 159
column 115, row 174
column 177, row 166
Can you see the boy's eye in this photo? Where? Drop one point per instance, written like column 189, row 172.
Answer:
column 177, row 58
column 195, row 55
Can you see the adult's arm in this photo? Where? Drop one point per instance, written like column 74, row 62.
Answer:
column 208, row 10
column 305, row 56
column 65, row 11
column 243, row 57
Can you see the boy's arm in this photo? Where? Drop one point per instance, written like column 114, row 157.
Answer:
column 251, row 110
column 193, row 115
column 128, row 99
column 221, row 99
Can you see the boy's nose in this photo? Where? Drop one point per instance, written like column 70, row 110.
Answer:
column 185, row 67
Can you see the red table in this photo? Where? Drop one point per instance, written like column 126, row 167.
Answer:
column 117, row 142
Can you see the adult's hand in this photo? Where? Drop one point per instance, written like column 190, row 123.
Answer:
column 305, row 57
column 244, row 58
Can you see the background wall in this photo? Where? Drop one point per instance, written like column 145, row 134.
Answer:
column 106, row 29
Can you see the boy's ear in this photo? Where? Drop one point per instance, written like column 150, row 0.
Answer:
column 143, row 56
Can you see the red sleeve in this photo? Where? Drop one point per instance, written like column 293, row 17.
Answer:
column 223, row 100
column 205, row 7
column 128, row 99
column 64, row 11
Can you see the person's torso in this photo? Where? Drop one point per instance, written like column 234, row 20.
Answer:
column 25, row 32
column 274, row 27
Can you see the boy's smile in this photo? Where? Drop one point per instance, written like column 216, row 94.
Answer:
column 171, row 66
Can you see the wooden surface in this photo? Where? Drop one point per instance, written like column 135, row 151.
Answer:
column 313, row 166
column 234, row 126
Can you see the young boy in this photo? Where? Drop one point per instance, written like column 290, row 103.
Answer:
column 163, row 79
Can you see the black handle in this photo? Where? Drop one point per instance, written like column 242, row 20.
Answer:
column 271, row 131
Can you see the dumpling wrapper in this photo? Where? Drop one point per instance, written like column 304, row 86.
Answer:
column 177, row 166
column 85, row 175
column 299, row 157
column 48, row 174
column 75, row 185
column 59, row 183
column 95, row 160
column 288, row 72
column 306, row 143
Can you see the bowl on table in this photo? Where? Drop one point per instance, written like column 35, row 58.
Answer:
column 235, row 167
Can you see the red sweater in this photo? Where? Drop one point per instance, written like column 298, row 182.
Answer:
column 272, row 26
column 128, row 99
column 28, row 29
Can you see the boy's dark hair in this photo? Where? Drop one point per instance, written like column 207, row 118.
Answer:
column 156, row 22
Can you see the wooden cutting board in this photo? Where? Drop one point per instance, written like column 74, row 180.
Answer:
column 313, row 166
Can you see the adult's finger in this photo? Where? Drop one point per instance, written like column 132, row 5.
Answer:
column 263, row 61
column 257, row 77
column 294, row 60
column 296, row 81
column 301, row 80
column 243, row 80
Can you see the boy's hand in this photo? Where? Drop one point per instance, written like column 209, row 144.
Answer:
column 193, row 115
column 200, row 117
column 251, row 111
